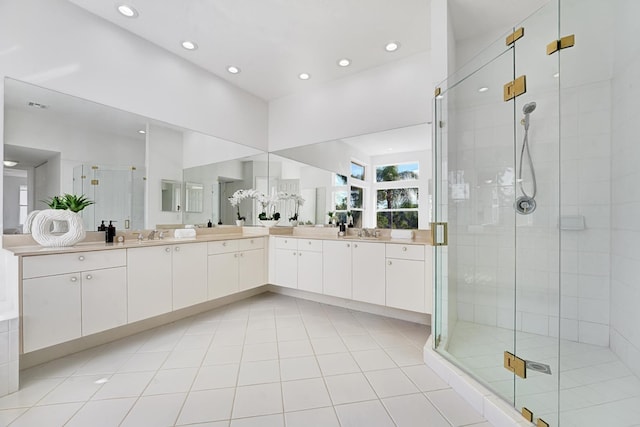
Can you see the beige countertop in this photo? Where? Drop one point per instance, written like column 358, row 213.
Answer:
column 24, row 245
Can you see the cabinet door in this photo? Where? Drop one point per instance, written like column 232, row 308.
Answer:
column 189, row 274
column 336, row 268
column 287, row 268
column 104, row 299
column 50, row 310
column 368, row 272
column 405, row 284
column 149, row 282
column 310, row 271
column 251, row 269
column 222, row 275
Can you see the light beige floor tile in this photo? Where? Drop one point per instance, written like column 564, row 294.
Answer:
column 370, row 414
column 414, row 410
column 298, row 368
column 255, row 400
column 349, row 388
column 207, row 405
column 102, row 413
column 216, row 376
column 153, row 411
column 260, row 372
column 319, row 417
column 305, row 394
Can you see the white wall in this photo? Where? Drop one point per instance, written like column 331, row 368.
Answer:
column 389, row 96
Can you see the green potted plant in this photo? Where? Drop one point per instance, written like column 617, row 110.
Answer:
column 69, row 202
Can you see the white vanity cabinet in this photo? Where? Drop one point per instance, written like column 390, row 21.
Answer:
column 189, row 274
column 368, row 275
column 286, row 262
column 66, row 296
column 298, row 263
column 165, row 278
column 235, row 265
column 406, row 271
column 149, row 275
column 336, row 268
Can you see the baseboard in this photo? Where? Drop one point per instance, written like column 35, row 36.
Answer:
column 409, row 316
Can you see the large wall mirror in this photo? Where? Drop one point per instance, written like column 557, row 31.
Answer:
column 132, row 167
column 375, row 180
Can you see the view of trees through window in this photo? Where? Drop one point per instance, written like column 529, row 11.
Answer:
column 397, row 204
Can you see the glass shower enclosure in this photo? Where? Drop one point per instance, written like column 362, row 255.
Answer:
column 537, row 178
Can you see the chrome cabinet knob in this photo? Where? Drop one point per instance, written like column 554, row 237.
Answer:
column 355, row 245
column 404, row 249
column 89, row 277
column 81, row 258
column 224, row 243
column 389, row 262
column 235, row 255
column 74, row 279
column 177, row 248
column 348, row 245
column 167, row 250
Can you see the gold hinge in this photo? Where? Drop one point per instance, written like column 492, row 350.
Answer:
column 563, row 43
column 527, row 414
column 133, row 168
column 441, row 124
column 83, row 176
column 515, row 88
column 94, row 182
column 437, row 92
column 439, row 239
column 517, row 34
column 514, row 364
column 542, row 423
column 94, row 167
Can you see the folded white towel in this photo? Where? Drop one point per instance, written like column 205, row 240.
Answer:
column 184, row 233
column 402, row 234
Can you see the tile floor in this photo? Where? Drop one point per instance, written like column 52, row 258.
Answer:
column 269, row 360
column 596, row 388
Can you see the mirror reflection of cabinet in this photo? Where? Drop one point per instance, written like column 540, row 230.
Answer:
column 171, row 194
column 193, row 197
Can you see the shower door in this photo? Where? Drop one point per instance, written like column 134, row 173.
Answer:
column 497, row 188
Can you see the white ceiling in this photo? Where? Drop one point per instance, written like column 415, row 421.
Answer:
column 272, row 41
column 393, row 141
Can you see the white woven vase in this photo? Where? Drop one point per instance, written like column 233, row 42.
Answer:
column 41, row 228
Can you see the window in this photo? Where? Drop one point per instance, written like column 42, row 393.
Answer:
column 356, row 203
column 403, row 172
column 397, row 196
column 340, row 180
column 357, row 171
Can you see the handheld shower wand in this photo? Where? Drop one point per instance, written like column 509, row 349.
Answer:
column 526, row 204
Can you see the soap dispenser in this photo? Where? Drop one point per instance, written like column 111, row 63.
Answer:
column 111, row 232
column 102, row 227
column 209, row 224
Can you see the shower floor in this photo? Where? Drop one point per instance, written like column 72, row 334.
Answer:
column 596, row 388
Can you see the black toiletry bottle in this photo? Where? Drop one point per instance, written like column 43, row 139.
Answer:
column 111, row 233
column 209, row 224
column 343, row 228
column 102, row 227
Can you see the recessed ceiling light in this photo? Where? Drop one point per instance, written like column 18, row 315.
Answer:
column 304, row 76
column 128, row 11
column 142, row 131
column 344, row 62
column 556, row 75
column 233, row 70
column 9, row 163
column 392, row 46
column 189, row 45
column 483, row 89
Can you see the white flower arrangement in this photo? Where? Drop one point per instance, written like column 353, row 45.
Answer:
column 298, row 201
column 239, row 196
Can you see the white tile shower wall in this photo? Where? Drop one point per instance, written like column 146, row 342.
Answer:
column 488, row 256
column 9, row 371
column 625, row 200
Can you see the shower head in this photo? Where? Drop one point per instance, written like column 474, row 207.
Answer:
column 528, row 108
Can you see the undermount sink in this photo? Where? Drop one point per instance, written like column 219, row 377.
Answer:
column 360, row 238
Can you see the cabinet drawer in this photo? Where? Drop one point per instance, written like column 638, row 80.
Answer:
column 48, row 265
column 310, row 245
column 413, row 252
column 222, row 247
column 250, row 244
column 286, row 243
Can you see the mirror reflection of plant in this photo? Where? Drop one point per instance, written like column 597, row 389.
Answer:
column 69, row 202
column 298, row 201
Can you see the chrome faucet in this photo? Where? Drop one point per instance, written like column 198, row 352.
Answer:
column 152, row 235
